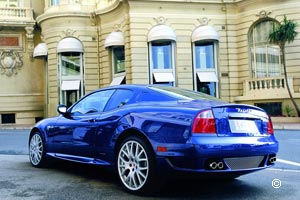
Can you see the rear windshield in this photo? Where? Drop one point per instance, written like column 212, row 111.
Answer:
column 181, row 94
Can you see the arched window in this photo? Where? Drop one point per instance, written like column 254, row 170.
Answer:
column 114, row 42
column 265, row 58
column 161, row 43
column 205, row 67
column 70, row 59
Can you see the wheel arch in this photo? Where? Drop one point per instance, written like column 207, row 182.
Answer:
column 131, row 132
column 34, row 130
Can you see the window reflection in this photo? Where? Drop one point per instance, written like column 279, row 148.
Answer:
column 205, row 68
column 204, row 56
column 70, row 64
column 118, row 59
column 161, row 55
column 55, row 2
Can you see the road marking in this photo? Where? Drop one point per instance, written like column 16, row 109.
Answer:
column 284, row 170
column 288, row 162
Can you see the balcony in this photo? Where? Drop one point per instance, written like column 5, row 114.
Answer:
column 266, row 89
column 16, row 17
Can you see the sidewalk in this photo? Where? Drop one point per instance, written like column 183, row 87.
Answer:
column 286, row 126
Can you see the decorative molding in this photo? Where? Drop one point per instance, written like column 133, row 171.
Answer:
column 93, row 18
column 263, row 14
column 10, row 62
column 160, row 20
column 29, row 34
column 117, row 27
column 11, row 40
column 69, row 32
column 203, row 21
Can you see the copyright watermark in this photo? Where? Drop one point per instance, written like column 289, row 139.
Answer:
column 276, row 183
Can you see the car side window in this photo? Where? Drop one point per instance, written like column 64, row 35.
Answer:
column 95, row 102
column 119, row 98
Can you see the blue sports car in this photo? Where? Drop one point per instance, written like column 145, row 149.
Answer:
column 147, row 132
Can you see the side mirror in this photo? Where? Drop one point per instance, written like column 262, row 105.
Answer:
column 62, row 109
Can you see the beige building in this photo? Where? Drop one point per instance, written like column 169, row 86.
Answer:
column 57, row 51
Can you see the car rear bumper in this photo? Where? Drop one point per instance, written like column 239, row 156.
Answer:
column 212, row 154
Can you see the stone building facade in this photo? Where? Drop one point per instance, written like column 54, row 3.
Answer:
column 59, row 50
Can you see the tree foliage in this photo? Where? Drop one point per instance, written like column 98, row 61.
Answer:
column 285, row 32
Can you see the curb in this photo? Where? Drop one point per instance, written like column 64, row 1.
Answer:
column 286, row 126
column 15, row 127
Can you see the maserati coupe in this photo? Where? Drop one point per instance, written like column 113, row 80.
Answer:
column 146, row 132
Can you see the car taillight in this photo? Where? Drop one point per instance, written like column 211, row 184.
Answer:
column 204, row 122
column 270, row 127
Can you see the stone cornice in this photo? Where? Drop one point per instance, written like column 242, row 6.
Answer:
column 61, row 14
column 109, row 8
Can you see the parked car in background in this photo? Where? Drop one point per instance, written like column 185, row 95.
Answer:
column 146, row 132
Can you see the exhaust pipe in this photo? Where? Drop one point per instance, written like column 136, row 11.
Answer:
column 213, row 165
column 220, row 165
column 272, row 160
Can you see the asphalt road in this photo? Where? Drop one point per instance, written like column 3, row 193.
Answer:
column 63, row 180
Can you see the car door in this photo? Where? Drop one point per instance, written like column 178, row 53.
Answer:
column 108, row 121
column 75, row 134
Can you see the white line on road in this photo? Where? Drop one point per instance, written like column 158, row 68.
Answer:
column 288, row 162
column 284, row 170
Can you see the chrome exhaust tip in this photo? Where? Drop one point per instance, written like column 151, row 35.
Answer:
column 220, row 165
column 272, row 160
column 216, row 165
column 213, row 165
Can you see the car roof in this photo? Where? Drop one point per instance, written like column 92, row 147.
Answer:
column 129, row 86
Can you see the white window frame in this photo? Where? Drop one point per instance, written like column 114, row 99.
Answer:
column 63, row 92
column 208, row 70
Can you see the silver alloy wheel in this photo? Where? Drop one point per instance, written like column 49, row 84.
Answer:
column 133, row 165
column 36, row 149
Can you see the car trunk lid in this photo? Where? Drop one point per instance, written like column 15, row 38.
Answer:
column 241, row 120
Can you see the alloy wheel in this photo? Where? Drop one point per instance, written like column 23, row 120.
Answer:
column 36, row 148
column 133, row 165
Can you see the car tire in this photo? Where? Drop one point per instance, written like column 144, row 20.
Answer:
column 136, row 167
column 37, row 153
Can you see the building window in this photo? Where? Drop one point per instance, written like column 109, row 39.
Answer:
column 9, row 118
column 205, row 68
column 162, row 62
column 114, row 43
column 9, row 3
column 71, row 77
column 118, row 59
column 118, row 65
column 265, row 57
column 71, row 85
column 54, row 2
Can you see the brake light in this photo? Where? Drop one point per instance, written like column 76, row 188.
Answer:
column 270, row 127
column 204, row 122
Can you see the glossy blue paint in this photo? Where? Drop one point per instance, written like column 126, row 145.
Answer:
column 164, row 119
